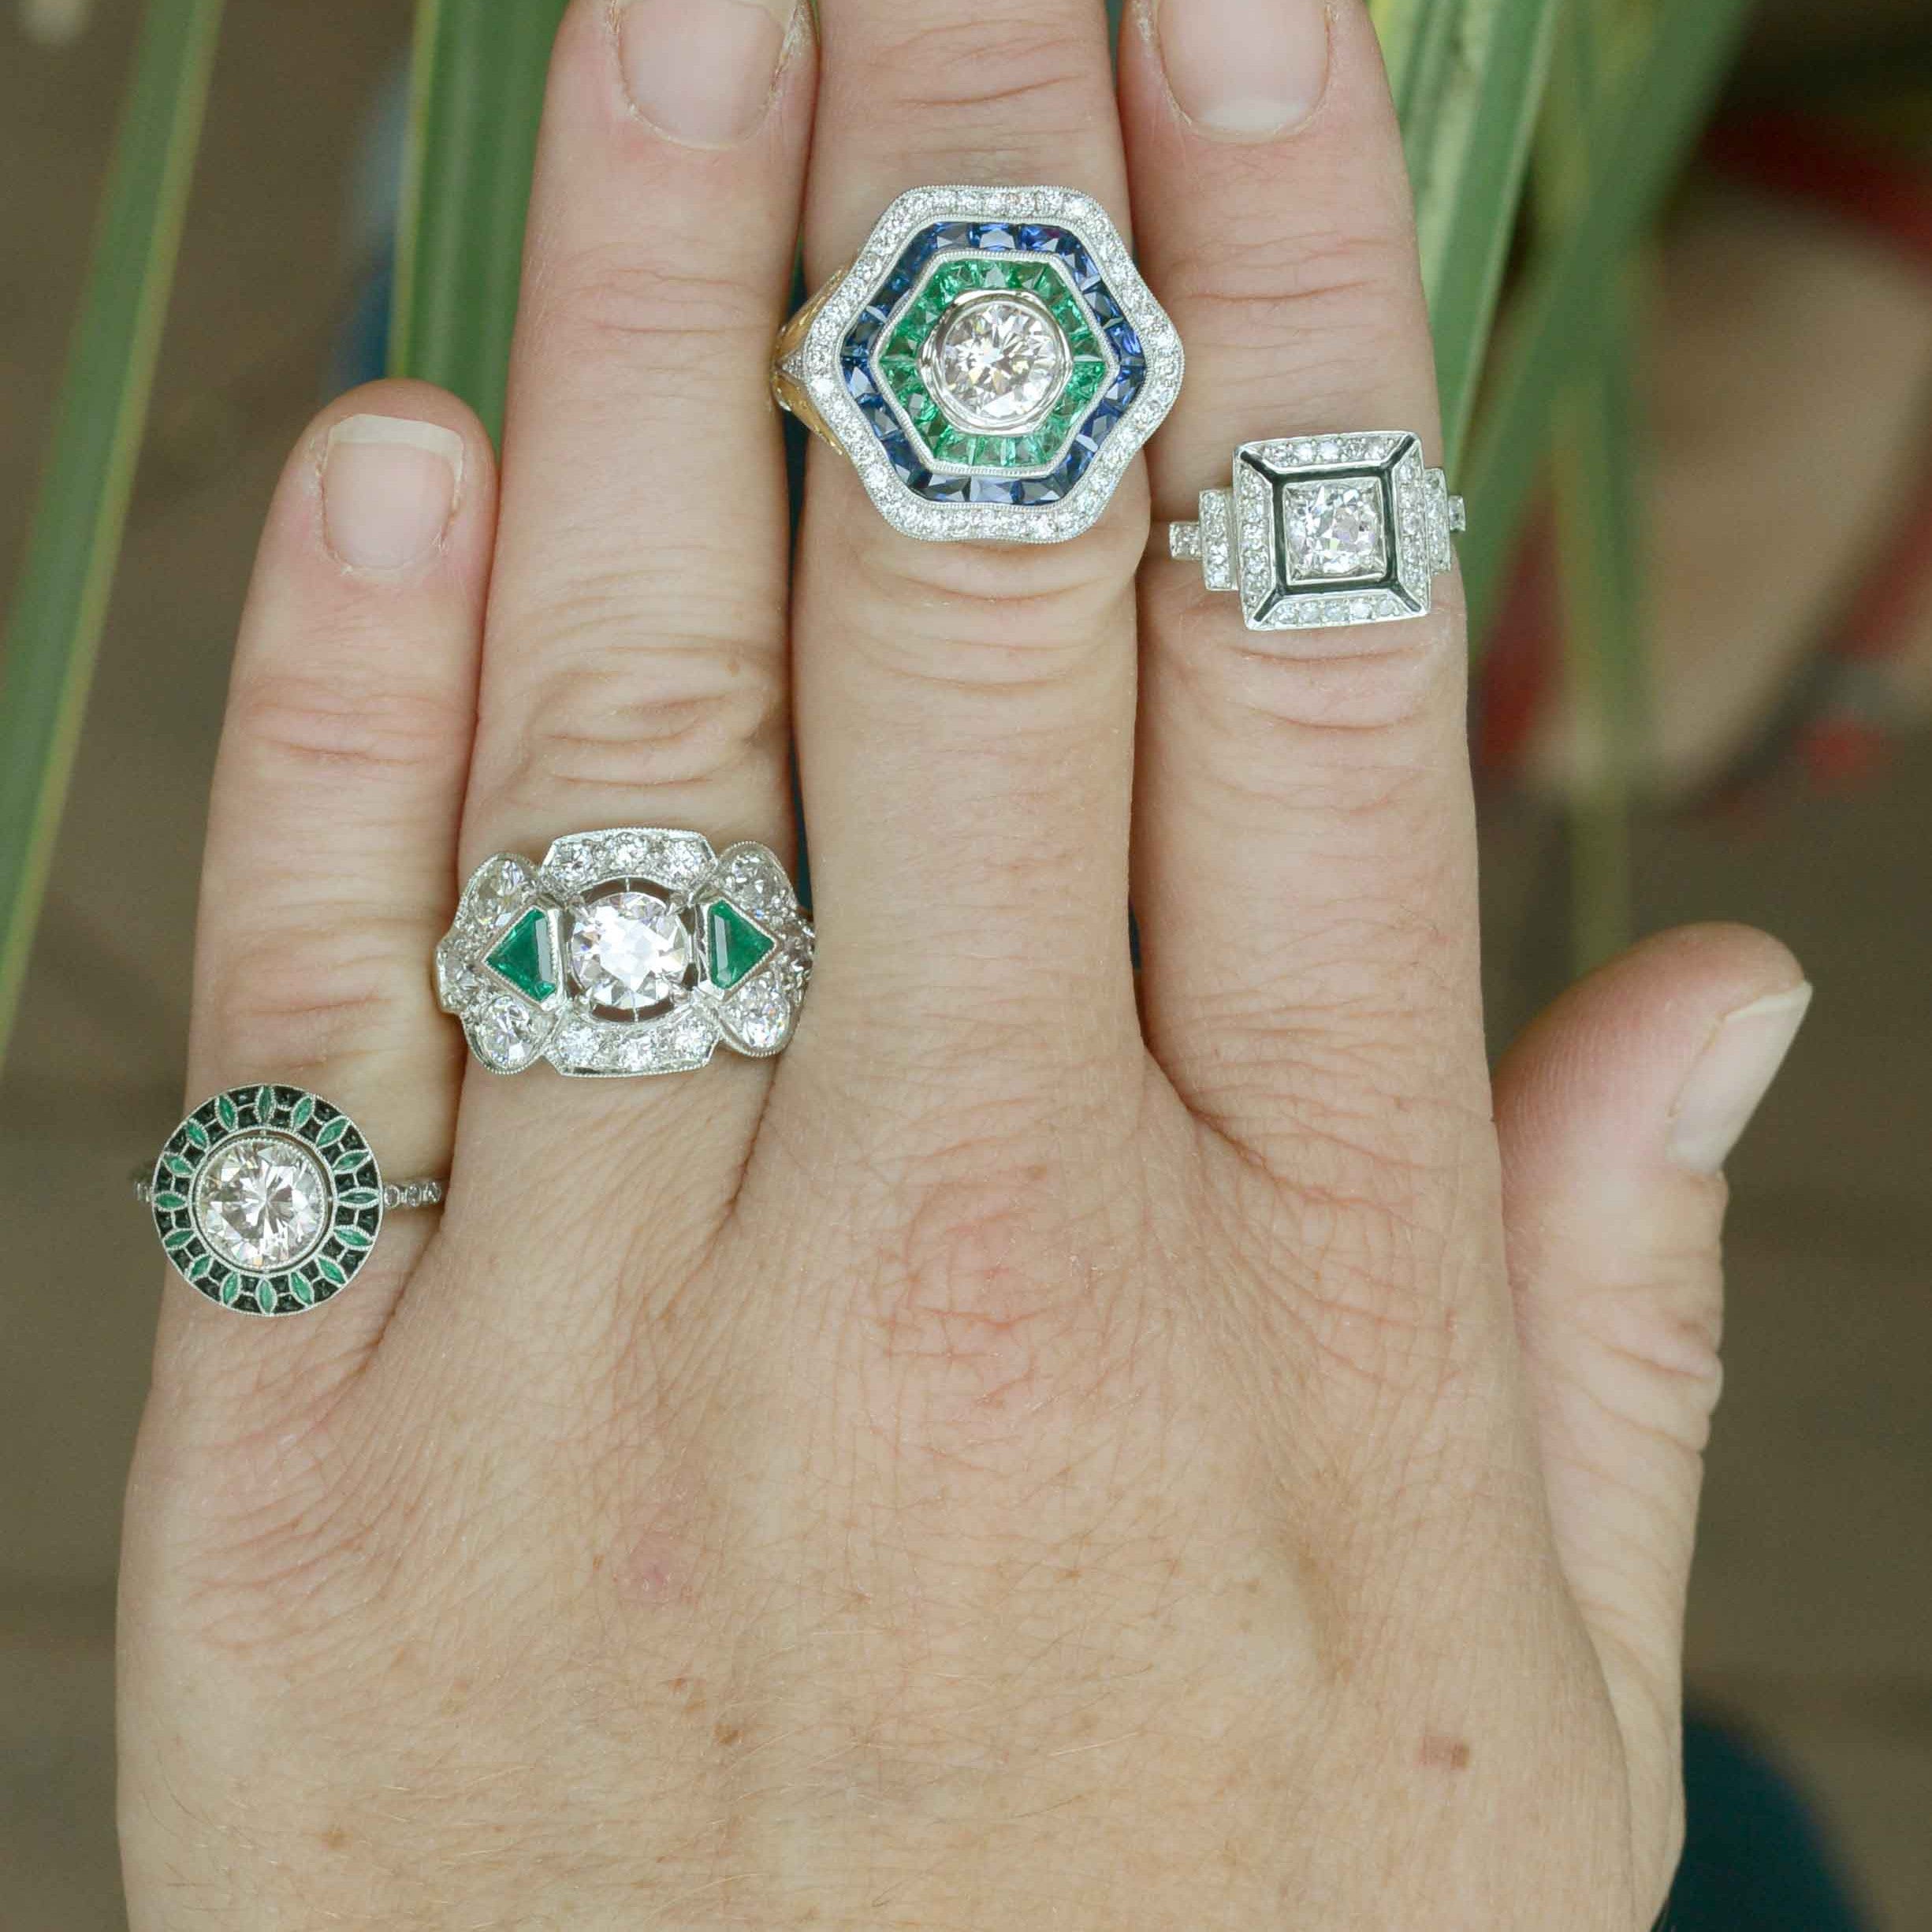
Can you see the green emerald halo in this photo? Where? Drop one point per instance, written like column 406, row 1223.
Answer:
column 246, row 1159
column 900, row 361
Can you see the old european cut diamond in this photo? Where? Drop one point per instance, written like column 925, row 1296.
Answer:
column 997, row 362
column 629, row 952
column 1335, row 529
column 502, row 1030
column 263, row 1204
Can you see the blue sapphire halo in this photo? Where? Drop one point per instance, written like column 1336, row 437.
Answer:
column 990, row 363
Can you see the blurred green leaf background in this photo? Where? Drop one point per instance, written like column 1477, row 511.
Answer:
column 1542, row 138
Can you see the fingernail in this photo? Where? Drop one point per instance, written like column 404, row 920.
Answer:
column 389, row 486
column 1244, row 70
column 1732, row 1076
column 701, row 71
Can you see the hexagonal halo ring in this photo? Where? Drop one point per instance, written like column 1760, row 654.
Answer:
column 1071, row 365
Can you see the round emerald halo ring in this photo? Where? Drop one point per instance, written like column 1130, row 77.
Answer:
column 268, row 1201
column 990, row 363
column 636, row 950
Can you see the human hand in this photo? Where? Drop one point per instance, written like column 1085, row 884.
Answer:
column 1045, row 1451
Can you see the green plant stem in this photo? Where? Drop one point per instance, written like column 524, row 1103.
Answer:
column 60, row 604
column 1595, row 494
column 478, row 83
column 1471, row 96
column 1655, row 114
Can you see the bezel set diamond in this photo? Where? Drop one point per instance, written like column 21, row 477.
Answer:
column 1014, row 501
column 1292, row 496
column 299, row 1128
column 515, row 1013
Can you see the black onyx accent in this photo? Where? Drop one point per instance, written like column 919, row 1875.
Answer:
column 1286, row 588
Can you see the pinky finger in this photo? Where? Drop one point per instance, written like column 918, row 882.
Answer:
column 332, row 832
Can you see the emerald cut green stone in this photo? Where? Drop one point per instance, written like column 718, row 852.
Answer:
column 523, row 957
column 737, row 945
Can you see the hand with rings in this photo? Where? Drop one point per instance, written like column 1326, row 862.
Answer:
column 898, row 1416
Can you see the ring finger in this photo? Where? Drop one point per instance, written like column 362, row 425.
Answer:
column 1305, row 862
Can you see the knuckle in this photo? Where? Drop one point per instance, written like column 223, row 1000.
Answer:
column 1290, row 293
column 1382, row 686
column 1016, row 623
column 1003, row 83
column 988, row 1307
column 1362, row 1256
column 646, row 295
column 340, row 729
column 320, row 989
column 643, row 715
column 1657, row 1334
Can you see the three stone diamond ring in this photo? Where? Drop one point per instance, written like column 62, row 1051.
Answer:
column 1326, row 530
column 989, row 364
column 630, row 951
column 268, row 1200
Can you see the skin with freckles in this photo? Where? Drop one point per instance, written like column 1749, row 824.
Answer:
column 1050, row 1450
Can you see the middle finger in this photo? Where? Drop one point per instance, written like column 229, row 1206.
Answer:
column 634, row 668
column 965, row 711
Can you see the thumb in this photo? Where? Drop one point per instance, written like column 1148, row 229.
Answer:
column 1616, row 1111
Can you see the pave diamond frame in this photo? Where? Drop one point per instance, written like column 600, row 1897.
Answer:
column 1242, row 539
column 353, row 1184
column 508, row 1031
column 817, row 365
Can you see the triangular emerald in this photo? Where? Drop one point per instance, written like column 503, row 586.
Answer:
column 737, row 945
column 523, row 957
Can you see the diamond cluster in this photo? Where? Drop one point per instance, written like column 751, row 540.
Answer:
column 667, row 949
column 990, row 366
column 1009, row 495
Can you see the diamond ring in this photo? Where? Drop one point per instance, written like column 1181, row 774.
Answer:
column 989, row 364
column 631, row 951
column 268, row 1200
column 1318, row 531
